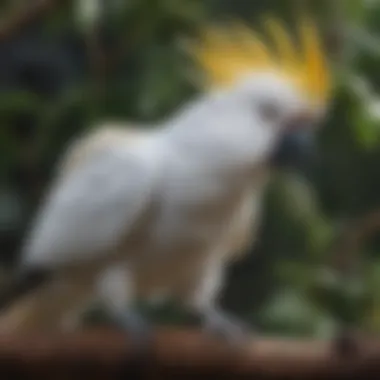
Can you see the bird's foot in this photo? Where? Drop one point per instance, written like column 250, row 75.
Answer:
column 227, row 328
column 138, row 331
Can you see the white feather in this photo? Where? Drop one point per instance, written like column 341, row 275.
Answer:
column 89, row 211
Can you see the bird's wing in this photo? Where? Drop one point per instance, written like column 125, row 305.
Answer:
column 105, row 135
column 91, row 209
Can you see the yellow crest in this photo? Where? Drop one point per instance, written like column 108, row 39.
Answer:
column 225, row 54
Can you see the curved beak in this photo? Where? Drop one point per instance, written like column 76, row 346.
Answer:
column 297, row 147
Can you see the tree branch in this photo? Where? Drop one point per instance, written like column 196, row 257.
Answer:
column 174, row 353
column 23, row 16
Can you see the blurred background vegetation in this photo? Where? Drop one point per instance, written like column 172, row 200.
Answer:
column 317, row 262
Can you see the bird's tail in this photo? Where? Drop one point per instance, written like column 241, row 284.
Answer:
column 42, row 308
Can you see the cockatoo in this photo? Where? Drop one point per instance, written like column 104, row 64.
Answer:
column 139, row 212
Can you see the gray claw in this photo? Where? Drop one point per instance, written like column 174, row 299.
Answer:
column 227, row 328
column 138, row 330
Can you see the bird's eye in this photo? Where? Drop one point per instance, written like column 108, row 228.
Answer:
column 269, row 112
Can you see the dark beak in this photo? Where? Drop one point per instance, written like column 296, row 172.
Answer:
column 296, row 149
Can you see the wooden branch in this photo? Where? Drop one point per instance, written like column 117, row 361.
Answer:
column 174, row 353
column 24, row 16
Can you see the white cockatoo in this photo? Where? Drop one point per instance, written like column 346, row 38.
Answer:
column 139, row 212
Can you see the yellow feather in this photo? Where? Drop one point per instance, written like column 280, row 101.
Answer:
column 251, row 46
column 314, row 59
column 283, row 43
column 225, row 54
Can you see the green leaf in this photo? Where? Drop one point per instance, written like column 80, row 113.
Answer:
column 295, row 273
column 367, row 131
column 290, row 311
column 356, row 10
column 161, row 86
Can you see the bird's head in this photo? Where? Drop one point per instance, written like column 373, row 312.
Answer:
column 274, row 97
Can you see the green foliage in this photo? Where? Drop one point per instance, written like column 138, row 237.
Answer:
column 286, row 286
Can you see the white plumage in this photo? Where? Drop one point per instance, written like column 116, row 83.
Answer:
column 89, row 212
column 137, row 212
